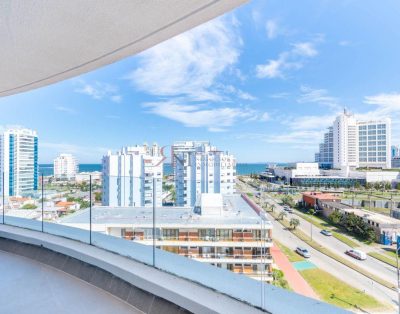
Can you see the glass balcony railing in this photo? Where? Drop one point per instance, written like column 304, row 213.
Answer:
column 133, row 218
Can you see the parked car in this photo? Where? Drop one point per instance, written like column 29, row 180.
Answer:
column 357, row 254
column 303, row 252
column 326, row 232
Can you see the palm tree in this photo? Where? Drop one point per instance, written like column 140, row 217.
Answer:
column 282, row 215
column 272, row 207
column 294, row 222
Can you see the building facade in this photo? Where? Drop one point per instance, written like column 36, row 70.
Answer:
column 65, row 167
column 352, row 143
column 325, row 155
column 133, row 177
column 201, row 168
column 223, row 231
column 19, row 161
column 374, row 143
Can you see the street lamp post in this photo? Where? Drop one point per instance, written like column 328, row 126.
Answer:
column 398, row 273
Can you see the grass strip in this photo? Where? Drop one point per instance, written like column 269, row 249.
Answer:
column 319, row 224
column 334, row 291
column 383, row 258
column 291, row 255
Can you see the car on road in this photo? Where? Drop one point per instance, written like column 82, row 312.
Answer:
column 326, row 232
column 303, row 252
column 357, row 254
column 288, row 209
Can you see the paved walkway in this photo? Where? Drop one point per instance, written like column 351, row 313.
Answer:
column 296, row 282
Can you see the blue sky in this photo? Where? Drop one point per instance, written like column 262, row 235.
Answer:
column 263, row 82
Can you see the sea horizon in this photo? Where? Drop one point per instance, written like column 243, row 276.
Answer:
column 241, row 168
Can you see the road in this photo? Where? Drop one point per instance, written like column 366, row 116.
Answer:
column 338, row 247
column 335, row 268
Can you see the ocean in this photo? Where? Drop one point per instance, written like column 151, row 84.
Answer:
column 241, row 168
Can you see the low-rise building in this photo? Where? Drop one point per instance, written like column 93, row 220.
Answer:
column 385, row 227
column 220, row 230
column 313, row 199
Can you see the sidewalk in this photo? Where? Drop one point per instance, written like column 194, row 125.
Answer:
column 295, row 280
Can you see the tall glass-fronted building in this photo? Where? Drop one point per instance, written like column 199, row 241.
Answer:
column 18, row 162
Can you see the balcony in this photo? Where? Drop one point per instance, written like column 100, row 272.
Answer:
column 149, row 275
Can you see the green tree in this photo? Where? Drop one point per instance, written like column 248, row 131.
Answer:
column 282, row 215
column 97, row 196
column 335, row 217
column 272, row 207
column 279, row 279
column 294, row 222
column 29, row 206
column 288, row 200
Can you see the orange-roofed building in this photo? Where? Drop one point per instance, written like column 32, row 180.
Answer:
column 310, row 199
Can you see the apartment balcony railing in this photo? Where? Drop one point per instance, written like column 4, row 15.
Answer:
column 35, row 214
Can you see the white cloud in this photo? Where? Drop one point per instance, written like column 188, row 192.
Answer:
column 214, row 119
column 189, row 64
column 245, row 96
column 272, row 29
column 319, row 96
column 389, row 102
column 306, row 49
column 310, row 122
column 292, row 59
column 99, row 91
column 66, row 109
column 272, row 69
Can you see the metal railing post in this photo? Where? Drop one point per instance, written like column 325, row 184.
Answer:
column 90, row 209
column 42, row 202
column 154, row 221
column 2, row 187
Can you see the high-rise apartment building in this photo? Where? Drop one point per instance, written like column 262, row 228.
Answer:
column 65, row 167
column 352, row 143
column 325, row 155
column 201, row 168
column 132, row 175
column 345, row 141
column 19, row 161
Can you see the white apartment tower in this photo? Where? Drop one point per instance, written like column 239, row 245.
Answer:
column 356, row 143
column 65, row 167
column 201, row 168
column 128, row 176
column 345, row 141
column 18, row 161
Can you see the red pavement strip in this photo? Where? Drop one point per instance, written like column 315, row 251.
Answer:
column 296, row 282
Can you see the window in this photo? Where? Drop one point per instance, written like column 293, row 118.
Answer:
column 224, row 234
column 172, row 234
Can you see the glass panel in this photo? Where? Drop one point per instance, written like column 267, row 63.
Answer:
column 22, row 200
column 65, row 198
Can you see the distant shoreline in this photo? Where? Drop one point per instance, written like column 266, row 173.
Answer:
column 241, row 168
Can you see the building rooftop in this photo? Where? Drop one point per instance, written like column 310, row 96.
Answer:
column 378, row 218
column 320, row 195
column 236, row 212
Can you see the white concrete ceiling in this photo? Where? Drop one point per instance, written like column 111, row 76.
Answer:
column 46, row 41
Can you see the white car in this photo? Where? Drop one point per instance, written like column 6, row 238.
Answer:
column 303, row 252
column 357, row 254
